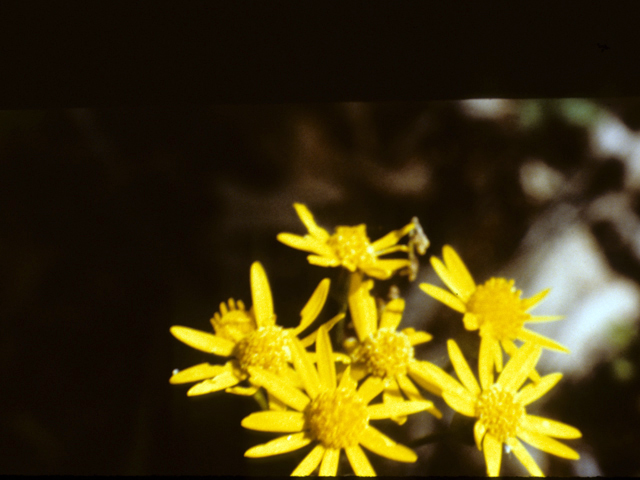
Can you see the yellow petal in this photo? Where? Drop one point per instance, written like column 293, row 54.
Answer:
column 261, row 296
column 526, row 459
column 347, row 381
column 359, row 371
column 408, row 388
column 384, row 268
column 464, row 404
column 329, row 465
column 323, row 261
column 392, row 314
column 391, row 238
column 374, row 272
column 370, row 388
column 222, row 381
column 479, row 431
column 362, row 306
column 443, row 296
column 497, row 353
column 310, row 462
column 470, row 321
column 309, row 222
column 392, row 249
column 275, row 404
column 284, row 444
column 421, row 380
column 280, row 389
column 196, row 373
column 455, row 265
column 305, row 368
column 313, row 307
column 359, row 462
column 530, row 393
column 427, row 374
column 519, row 367
column 392, row 396
column 311, row 338
column 549, row 445
column 485, row 363
column 305, row 243
column 372, row 439
column 492, row 454
column 552, row 428
column 462, row 368
column 274, row 421
column 544, row 318
column 446, row 276
column 326, row 367
column 528, row 336
column 412, row 393
column 206, row 342
column 244, row 391
column 416, row 338
column 397, row 409
column 529, row 303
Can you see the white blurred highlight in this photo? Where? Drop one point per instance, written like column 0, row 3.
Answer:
column 593, row 298
column 539, row 181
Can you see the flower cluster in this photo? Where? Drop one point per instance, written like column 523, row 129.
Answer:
column 328, row 399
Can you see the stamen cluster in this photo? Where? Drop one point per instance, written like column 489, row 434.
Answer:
column 266, row 348
column 337, row 418
column 386, row 353
column 352, row 246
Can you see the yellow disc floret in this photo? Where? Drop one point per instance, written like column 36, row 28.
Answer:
column 267, row 348
column 386, row 353
column 337, row 418
column 352, row 246
column 233, row 322
column 500, row 414
column 498, row 309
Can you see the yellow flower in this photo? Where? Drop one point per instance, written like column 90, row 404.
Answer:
column 495, row 308
column 351, row 247
column 334, row 414
column 250, row 338
column 384, row 352
column 500, row 408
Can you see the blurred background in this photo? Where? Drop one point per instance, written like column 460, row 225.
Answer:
column 117, row 223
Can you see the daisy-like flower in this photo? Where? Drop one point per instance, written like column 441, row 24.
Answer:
column 384, row 352
column 494, row 308
column 351, row 248
column 335, row 415
column 500, row 408
column 251, row 338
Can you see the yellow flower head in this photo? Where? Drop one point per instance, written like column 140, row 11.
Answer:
column 494, row 308
column 334, row 414
column 250, row 338
column 351, row 248
column 233, row 322
column 384, row 352
column 500, row 408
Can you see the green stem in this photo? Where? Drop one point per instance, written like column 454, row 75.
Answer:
column 261, row 399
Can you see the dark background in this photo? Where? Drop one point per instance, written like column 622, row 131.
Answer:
column 118, row 223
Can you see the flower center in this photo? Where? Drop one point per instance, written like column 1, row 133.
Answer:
column 499, row 413
column 498, row 308
column 386, row 353
column 352, row 246
column 233, row 323
column 337, row 418
column 266, row 347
